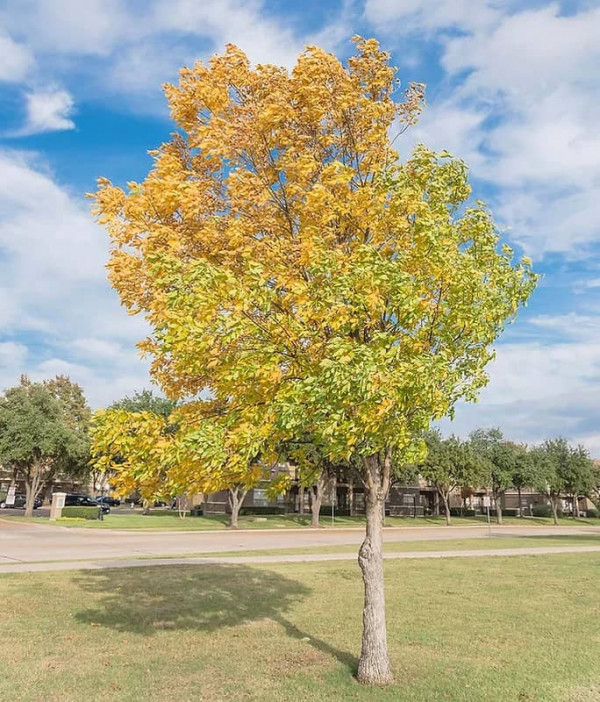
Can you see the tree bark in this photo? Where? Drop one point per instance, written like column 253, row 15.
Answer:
column 351, row 499
column 316, row 499
column 146, row 507
column 374, row 664
column 498, row 506
column 553, row 503
column 235, row 497
column 520, row 501
column 446, row 500
column 301, row 499
column 576, row 510
column 33, row 481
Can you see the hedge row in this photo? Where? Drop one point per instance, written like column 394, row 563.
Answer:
column 80, row 512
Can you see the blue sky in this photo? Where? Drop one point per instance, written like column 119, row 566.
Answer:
column 513, row 87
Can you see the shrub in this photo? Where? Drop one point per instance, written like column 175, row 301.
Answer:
column 268, row 509
column 510, row 512
column 593, row 513
column 80, row 512
column 459, row 512
column 541, row 511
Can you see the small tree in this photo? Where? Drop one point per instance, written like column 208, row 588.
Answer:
column 450, row 464
column 595, row 486
column 39, row 435
column 547, row 460
column 490, row 445
column 523, row 473
column 145, row 401
column 577, row 474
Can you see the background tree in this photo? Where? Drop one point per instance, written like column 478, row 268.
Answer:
column 145, row 401
column 547, row 460
column 595, row 487
column 450, row 464
column 501, row 455
column 575, row 468
column 523, row 473
column 40, row 434
column 286, row 260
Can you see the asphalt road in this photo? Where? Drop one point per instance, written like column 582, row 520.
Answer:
column 23, row 542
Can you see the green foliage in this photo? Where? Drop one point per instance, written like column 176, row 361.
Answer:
column 146, row 401
column 80, row 512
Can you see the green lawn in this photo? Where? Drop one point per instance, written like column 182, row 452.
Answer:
column 166, row 520
column 522, row 629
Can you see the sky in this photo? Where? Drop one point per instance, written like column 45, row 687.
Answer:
column 513, row 87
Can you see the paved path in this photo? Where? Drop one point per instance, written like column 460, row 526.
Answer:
column 23, row 542
column 255, row 560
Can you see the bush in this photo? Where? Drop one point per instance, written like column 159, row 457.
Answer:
column 510, row 512
column 541, row 511
column 592, row 513
column 80, row 512
column 269, row 509
column 458, row 512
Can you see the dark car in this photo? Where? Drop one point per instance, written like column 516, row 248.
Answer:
column 76, row 500
column 20, row 499
column 107, row 500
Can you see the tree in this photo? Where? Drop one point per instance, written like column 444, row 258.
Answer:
column 547, row 460
column 40, row 434
column 595, row 488
column 288, row 262
column 145, row 401
column 490, row 445
column 576, row 472
column 450, row 464
column 523, row 473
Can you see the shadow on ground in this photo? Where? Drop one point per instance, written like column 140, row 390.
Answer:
column 204, row 598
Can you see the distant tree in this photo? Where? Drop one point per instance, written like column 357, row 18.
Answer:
column 547, row 460
column 450, row 464
column 577, row 474
column 595, row 487
column 145, row 401
column 523, row 474
column 40, row 434
column 490, row 444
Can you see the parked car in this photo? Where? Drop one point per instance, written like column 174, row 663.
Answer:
column 20, row 499
column 107, row 500
column 77, row 500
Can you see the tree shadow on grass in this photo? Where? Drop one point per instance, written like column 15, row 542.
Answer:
column 205, row 598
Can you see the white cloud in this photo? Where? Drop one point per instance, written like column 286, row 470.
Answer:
column 48, row 110
column 521, row 103
column 15, row 60
column 412, row 16
column 54, row 295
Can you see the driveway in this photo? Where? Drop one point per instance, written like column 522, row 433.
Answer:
column 23, row 542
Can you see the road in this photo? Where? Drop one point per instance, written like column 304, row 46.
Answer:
column 23, row 542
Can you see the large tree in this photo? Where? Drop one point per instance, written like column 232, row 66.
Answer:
column 43, row 431
column 287, row 261
column 450, row 463
column 145, row 401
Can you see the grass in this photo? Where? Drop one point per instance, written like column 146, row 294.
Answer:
column 169, row 521
column 496, row 542
column 520, row 629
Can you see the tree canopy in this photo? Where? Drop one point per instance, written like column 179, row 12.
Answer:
column 43, row 430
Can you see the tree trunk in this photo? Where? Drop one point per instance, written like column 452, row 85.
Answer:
column 553, row 503
column 301, row 499
column 576, row 511
column 520, row 501
column 374, row 664
column 316, row 498
column 498, row 506
column 146, row 507
column 446, row 499
column 235, row 497
column 351, row 499
column 33, row 481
